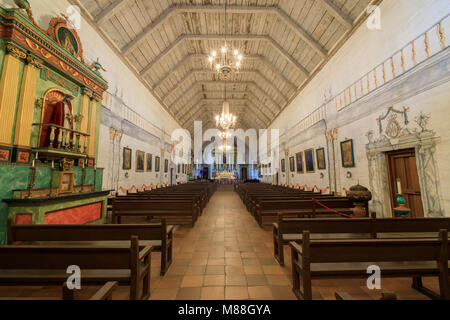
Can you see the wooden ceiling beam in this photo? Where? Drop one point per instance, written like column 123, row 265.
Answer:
column 261, row 59
column 337, row 13
column 236, row 37
column 249, row 93
column 246, row 83
column 231, row 9
column 210, row 71
column 110, row 11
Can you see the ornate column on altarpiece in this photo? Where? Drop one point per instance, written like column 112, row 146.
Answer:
column 8, row 90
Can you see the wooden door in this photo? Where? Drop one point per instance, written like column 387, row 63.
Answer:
column 205, row 173
column 244, row 173
column 402, row 167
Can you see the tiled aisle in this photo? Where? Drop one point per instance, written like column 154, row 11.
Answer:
column 227, row 256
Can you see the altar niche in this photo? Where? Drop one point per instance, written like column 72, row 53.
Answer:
column 57, row 117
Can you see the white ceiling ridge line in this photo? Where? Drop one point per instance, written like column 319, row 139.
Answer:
column 169, row 12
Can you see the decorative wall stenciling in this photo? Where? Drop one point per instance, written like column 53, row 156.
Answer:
column 431, row 42
column 390, row 126
column 424, row 141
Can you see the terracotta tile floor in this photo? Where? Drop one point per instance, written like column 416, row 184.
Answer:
column 227, row 256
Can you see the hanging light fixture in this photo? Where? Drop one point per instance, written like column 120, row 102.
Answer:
column 226, row 60
column 226, row 120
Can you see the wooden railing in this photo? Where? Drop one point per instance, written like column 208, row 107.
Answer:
column 63, row 139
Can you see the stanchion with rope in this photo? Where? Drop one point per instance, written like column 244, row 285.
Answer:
column 339, row 213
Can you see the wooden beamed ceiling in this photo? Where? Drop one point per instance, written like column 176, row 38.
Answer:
column 168, row 43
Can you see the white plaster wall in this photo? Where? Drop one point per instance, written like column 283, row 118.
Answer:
column 402, row 21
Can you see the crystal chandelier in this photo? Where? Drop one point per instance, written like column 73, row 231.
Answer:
column 226, row 120
column 225, row 146
column 226, row 60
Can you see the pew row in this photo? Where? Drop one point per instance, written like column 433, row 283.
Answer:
column 348, row 258
column 25, row 265
column 177, row 212
column 290, row 229
column 157, row 235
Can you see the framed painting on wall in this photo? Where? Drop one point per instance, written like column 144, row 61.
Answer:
column 283, row 165
column 140, row 160
column 299, row 160
column 149, row 162
column 292, row 164
column 348, row 157
column 166, row 166
column 157, row 164
column 309, row 160
column 321, row 163
column 127, row 158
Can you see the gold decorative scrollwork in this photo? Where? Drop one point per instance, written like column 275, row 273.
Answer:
column 38, row 63
column 15, row 51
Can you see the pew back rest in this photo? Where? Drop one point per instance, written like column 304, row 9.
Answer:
column 384, row 226
column 335, row 225
column 304, row 204
column 61, row 257
column 151, row 205
column 106, row 232
column 372, row 250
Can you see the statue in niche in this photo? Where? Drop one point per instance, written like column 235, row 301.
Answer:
column 57, row 111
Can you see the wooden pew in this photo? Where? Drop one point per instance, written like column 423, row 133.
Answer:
column 343, row 259
column 195, row 198
column 157, row 235
column 45, row 265
column 256, row 200
column 174, row 211
column 267, row 211
column 290, row 229
column 104, row 293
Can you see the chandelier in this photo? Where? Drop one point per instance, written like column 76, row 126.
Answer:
column 226, row 60
column 225, row 146
column 226, row 120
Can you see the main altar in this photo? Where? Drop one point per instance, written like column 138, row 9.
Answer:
column 225, row 177
column 50, row 101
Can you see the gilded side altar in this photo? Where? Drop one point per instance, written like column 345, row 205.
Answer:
column 50, row 101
